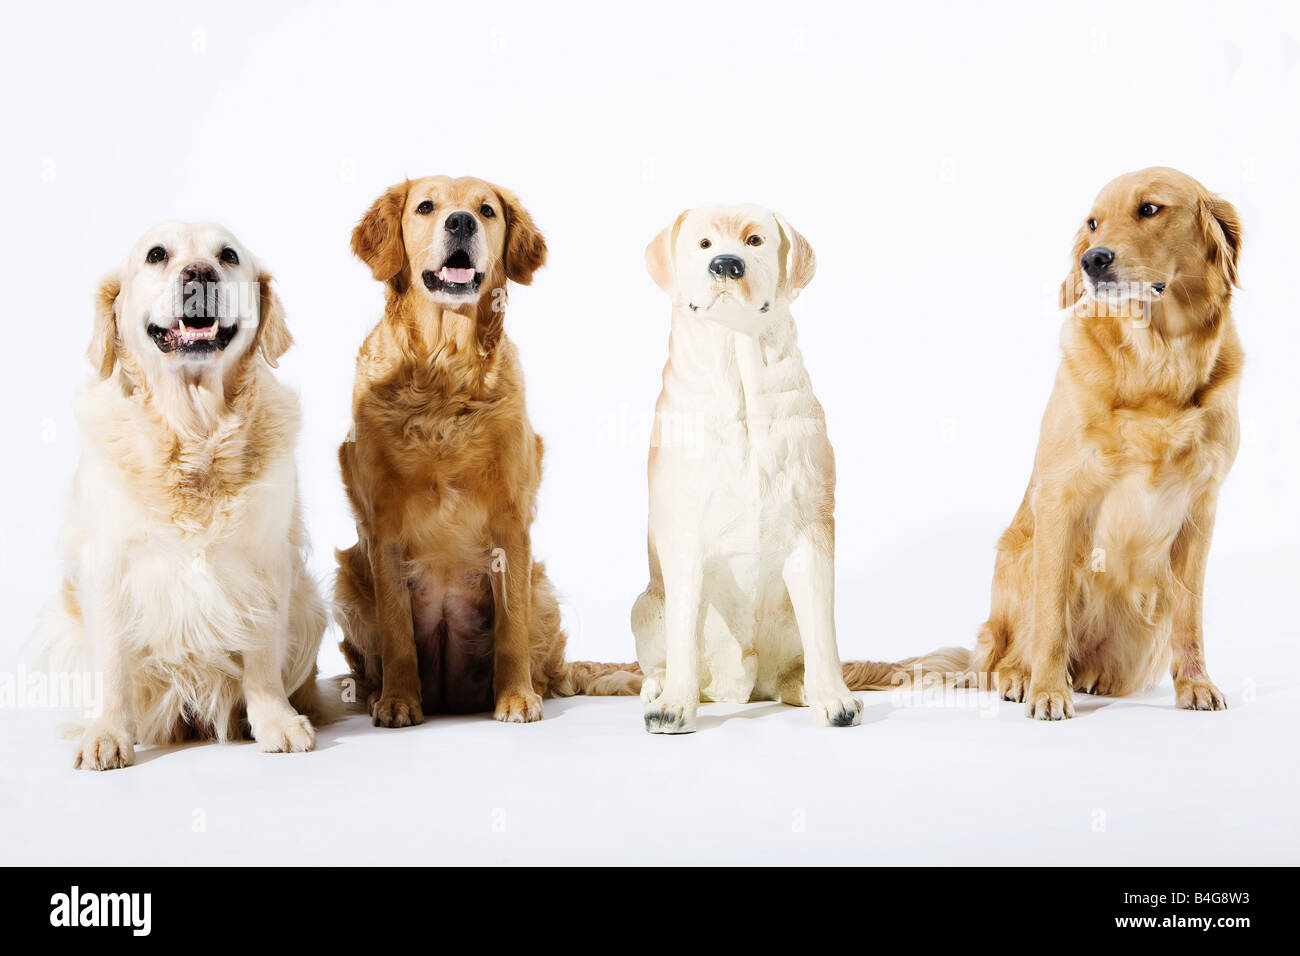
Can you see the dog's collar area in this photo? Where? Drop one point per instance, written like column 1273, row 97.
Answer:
column 192, row 339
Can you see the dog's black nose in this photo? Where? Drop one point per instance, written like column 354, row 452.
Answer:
column 461, row 225
column 1096, row 261
column 727, row 267
column 199, row 272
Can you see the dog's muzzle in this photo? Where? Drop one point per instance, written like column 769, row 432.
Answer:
column 199, row 301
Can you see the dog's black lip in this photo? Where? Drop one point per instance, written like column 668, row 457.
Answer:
column 159, row 334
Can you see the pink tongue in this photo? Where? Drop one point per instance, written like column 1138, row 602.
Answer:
column 457, row 276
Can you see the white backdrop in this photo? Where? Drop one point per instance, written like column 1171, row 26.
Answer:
column 939, row 157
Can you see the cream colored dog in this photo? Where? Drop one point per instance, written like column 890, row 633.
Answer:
column 185, row 583
column 741, row 599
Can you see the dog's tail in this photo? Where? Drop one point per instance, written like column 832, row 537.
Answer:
column 951, row 664
column 597, row 680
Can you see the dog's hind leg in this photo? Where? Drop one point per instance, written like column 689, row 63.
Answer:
column 354, row 609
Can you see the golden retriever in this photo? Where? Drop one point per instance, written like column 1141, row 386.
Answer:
column 1099, row 580
column 185, row 580
column 441, row 604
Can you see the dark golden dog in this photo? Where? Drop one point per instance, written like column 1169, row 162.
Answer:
column 442, row 607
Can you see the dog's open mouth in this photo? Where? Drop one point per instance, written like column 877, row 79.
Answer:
column 456, row 277
column 1125, row 290
column 194, row 336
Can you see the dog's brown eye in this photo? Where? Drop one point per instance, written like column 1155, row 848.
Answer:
column 704, row 243
column 755, row 240
column 486, row 211
column 229, row 256
column 1147, row 210
column 1092, row 225
column 424, row 208
column 156, row 254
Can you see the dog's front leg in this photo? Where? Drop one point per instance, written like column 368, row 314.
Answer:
column 1048, row 696
column 1192, row 685
column 109, row 741
column 673, row 710
column 511, row 572
column 809, row 574
column 276, row 726
column 398, row 704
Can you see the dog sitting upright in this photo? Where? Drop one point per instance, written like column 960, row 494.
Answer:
column 1099, row 580
column 740, row 604
column 185, row 580
column 442, row 608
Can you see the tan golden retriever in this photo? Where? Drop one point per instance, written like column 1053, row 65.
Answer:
column 441, row 604
column 185, row 582
column 1099, row 580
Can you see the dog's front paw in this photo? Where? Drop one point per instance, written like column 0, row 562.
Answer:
column 105, row 747
column 1199, row 694
column 518, row 708
column 836, row 709
column 1043, row 702
column 669, row 715
column 396, row 710
column 287, row 734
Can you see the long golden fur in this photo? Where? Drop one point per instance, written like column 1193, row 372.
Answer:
column 186, row 584
column 1099, row 580
column 441, row 604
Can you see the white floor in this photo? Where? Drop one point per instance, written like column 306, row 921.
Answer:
column 923, row 781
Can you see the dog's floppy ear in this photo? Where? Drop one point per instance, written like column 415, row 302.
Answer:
column 660, row 255
column 1072, row 288
column 377, row 239
column 273, row 336
column 797, row 258
column 1222, row 229
column 103, row 341
column 525, row 250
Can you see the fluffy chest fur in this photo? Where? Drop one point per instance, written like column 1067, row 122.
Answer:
column 1160, row 431
column 739, row 450
column 189, row 528
column 442, row 439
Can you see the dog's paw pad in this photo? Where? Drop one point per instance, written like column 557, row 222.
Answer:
column 835, row 710
column 1199, row 695
column 666, row 717
column 518, row 708
column 396, row 711
column 1049, row 705
column 288, row 735
column 105, row 748
column 1011, row 686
